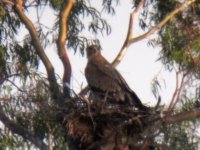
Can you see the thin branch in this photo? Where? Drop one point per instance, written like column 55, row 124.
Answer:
column 162, row 23
column 7, row 77
column 64, row 14
column 17, row 129
column 175, row 92
column 167, row 120
column 8, row 2
column 124, row 48
column 19, row 89
column 179, row 92
column 84, row 90
column 39, row 50
column 130, row 40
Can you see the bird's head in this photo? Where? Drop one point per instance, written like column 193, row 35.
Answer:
column 92, row 49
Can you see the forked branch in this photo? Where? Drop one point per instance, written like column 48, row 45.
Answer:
column 129, row 40
column 162, row 23
column 39, row 49
column 129, row 35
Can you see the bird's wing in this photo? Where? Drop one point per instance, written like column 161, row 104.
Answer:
column 101, row 76
column 105, row 70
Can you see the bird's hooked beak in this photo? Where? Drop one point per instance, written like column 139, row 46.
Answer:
column 92, row 49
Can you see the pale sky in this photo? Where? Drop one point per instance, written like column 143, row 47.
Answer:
column 138, row 67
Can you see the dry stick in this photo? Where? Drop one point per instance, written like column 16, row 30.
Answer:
column 89, row 110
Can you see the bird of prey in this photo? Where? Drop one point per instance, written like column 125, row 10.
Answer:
column 102, row 76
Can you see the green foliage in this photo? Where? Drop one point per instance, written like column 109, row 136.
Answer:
column 108, row 6
column 179, row 39
column 76, row 25
column 177, row 137
column 27, row 100
column 9, row 25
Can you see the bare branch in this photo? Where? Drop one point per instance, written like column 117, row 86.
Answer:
column 130, row 40
column 175, row 92
column 18, row 88
column 129, row 35
column 84, row 90
column 7, row 2
column 39, row 49
column 178, row 92
column 190, row 115
column 64, row 14
column 178, row 89
column 7, row 77
column 162, row 23
column 15, row 128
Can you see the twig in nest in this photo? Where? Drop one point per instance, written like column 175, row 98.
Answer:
column 89, row 109
column 158, row 103
column 104, row 100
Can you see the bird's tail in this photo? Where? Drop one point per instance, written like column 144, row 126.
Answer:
column 135, row 101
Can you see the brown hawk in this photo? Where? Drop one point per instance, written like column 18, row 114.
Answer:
column 102, row 76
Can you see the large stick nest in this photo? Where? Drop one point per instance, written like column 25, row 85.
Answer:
column 93, row 122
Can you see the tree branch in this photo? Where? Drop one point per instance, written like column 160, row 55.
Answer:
column 17, row 129
column 162, row 23
column 8, row 2
column 63, row 22
column 178, row 92
column 39, row 50
column 129, row 35
column 184, row 116
column 130, row 40
column 175, row 92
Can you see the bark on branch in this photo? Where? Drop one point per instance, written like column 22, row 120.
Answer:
column 63, row 22
column 8, row 2
column 39, row 50
column 162, row 23
column 129, row 35
column 15, row 128
column 129, row 40
column 184, row 116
